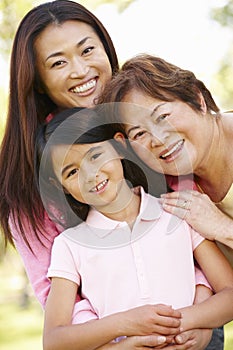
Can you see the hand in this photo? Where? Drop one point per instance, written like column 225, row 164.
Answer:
column 140, row 343
column 196, row 339
column 150, row 319
column 198, row 210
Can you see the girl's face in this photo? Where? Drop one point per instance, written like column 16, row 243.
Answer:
column 72, row 64
column 91, row 173
column 170, row 137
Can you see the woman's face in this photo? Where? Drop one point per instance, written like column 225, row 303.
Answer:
column 72, row 64
column 170, row 137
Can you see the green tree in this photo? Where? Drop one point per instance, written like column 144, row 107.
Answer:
column 222, row 83
column 224, row 14
column 10, row 14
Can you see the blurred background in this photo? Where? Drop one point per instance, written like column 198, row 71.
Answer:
column 194, row 34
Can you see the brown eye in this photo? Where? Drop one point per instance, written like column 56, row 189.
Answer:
column 57, row 63
column 88, row 49
column 161, row 117
column 139, row 134
column 72, row 172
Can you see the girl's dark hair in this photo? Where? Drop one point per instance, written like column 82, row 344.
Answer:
column 27, row 109
column 78, row 126
column 159, row 79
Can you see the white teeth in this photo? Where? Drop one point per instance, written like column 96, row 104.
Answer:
column 173, row 149
column 85, row 87
column 99, row 186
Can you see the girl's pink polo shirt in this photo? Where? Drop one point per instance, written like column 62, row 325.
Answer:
column 121, row 268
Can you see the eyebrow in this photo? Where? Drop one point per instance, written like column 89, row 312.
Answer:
column 60, row 53
column 157, row 107
column 67, row 167
column 133, row 128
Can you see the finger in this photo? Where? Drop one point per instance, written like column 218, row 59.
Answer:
column 166, row 330
column 190, row 344
column 145, row 341
column 183, row 337
column 180, row 211
column 167, row 321
column 181, row 202
column 181, row 194
column 166, row 310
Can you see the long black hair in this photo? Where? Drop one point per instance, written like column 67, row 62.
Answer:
column 19, row 198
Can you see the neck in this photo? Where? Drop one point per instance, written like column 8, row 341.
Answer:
column 125, row 207
column 215, row 174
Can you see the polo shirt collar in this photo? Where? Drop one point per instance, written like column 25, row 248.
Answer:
column 150, row 210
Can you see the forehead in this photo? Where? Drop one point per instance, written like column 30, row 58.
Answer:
column 137, row 105
column 134, row 114
column 62, row 154
column 67, row 32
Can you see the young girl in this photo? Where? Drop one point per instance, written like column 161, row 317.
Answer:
column 123, row 244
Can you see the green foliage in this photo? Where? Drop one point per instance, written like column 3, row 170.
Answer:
column 11, row 13
column 224, row 14
column 222, row 82
column 121, row 4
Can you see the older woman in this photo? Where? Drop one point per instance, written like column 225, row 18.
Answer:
column 175, row 126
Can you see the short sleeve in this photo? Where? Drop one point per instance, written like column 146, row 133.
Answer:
column 63, row 263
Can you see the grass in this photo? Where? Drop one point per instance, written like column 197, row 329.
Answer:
column 21, row 319
column 20, row 328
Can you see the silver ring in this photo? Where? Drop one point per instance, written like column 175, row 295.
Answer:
column 184, row 204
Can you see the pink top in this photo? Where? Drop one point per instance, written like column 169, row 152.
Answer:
column 36, row 264
column 154, row 259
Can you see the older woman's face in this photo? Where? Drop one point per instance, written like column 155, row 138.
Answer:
column 170, row 137
column 72, row 64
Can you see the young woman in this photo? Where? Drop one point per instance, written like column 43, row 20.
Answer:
column 175, row 126
column 123, row 243
column 62, row 57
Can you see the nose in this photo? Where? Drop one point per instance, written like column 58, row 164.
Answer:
column 156, row 141
column 79, row 68
column 89, row 173
column 158, row 136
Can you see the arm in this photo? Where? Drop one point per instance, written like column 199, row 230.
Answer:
column 60, row 334
column 202, row 214
column 216, row 310
column 195, row 338
column 36, row 263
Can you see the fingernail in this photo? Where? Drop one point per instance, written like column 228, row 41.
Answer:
column 179, row 339
column 161, row 339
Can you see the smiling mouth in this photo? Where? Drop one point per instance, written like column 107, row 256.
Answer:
column 85, row 87
column 99, row 187
column 173, row 150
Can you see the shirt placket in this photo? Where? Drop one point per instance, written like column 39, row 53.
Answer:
column 140, row 270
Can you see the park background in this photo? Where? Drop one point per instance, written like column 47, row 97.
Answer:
column 193, row 34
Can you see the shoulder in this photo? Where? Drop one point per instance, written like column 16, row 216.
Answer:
column 71, row 232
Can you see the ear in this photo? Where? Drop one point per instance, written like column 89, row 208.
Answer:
column 119, row 137
column 202, row 103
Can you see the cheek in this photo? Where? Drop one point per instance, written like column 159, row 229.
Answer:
column 147, row 156
column 142, row 150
